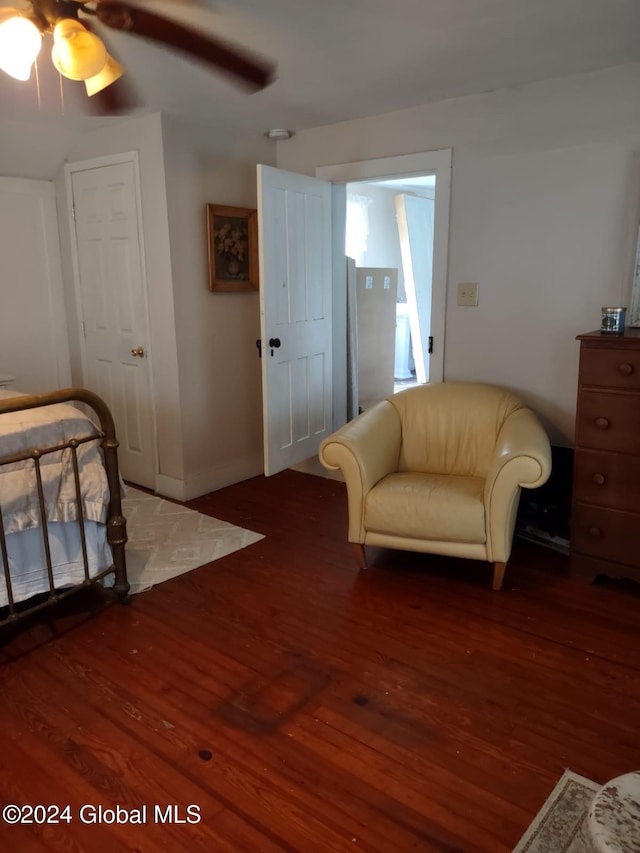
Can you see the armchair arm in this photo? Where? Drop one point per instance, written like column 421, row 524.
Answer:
column 365, row 450
column 522, row 458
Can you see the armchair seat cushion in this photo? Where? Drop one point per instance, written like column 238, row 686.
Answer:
column 427, row 506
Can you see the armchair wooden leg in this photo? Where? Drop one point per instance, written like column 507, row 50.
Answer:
column 498, row 575
column 360, row 554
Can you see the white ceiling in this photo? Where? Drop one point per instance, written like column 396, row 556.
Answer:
column 342, row 59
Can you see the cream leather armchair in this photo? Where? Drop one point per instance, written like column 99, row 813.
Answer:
column 438, row 469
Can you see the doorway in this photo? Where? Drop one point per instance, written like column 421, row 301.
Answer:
column 279, row 279
column 402, row 167
column 389, row 227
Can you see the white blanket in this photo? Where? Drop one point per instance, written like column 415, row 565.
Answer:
column 27, row 559
column 38, row 428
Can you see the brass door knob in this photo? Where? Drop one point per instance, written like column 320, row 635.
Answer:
column 137, row 352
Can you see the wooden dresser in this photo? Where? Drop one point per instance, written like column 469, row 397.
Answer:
column 605, row 522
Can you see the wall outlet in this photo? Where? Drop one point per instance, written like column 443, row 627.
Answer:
column 468, row 293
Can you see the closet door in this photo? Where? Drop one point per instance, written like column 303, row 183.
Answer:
column 107, row 242
column 33, row 331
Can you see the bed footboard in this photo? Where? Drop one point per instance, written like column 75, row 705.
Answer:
column 116, row 526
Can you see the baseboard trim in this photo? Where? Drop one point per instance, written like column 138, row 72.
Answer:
column 209, row 480
column 171, row 487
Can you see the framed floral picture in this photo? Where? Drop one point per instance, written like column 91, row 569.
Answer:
column 232, row 237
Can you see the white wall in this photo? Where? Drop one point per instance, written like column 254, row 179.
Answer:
column 33, row 328
column 544, row 217
column 219, row 368
column 29, row 151
column 383, row 245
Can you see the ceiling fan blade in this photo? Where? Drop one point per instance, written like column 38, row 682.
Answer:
column 252, row 71
column 117, row 99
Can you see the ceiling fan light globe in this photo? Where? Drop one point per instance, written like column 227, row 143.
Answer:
column 77, row 53
column 111, row 72
column 20, row 43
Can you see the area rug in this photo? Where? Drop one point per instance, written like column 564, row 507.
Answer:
column 166, row 539
column 557, row 826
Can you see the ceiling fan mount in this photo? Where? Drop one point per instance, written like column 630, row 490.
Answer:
column 46, row 13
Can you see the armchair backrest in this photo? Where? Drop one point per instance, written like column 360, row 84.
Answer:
column 451, row 427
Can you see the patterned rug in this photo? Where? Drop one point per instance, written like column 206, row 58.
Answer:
column 557, row 826
column 167, row 539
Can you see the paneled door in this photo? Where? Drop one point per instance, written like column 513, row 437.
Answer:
column 294, row 225
column 111, row 285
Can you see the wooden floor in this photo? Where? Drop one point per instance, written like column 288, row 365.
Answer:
column 303, row 705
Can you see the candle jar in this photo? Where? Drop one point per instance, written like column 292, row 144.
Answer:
column 613, row 320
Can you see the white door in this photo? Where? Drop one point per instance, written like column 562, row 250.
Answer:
column 113, row 303
column 294, row 227
column 415, row 227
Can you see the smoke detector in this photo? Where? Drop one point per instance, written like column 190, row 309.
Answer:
column 279, row 133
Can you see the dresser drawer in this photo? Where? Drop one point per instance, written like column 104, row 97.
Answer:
column 608, row 534
column 607, row 479
column 588, row 568
column 608, row 421
column 610, row 367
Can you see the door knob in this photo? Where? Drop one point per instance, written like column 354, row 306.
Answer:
column 137, row 352
column 274, row 343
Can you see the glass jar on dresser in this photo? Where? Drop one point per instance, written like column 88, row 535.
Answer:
column 605, row 520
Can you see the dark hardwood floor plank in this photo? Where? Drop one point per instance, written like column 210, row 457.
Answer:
column 308, row 706
column 101, row 766
column 487, row 675
column 238, row 775
column 287, row 759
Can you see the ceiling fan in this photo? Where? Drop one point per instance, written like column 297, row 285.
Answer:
column 79, row 54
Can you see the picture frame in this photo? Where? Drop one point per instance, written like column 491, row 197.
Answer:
column 634, row 308
column 232, row 243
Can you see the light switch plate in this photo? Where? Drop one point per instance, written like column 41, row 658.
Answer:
column 468, row 293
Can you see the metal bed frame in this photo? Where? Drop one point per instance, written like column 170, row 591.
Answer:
column 116, row 523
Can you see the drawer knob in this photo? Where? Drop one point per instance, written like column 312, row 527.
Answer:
column 599, row 479
column 595, row 533
column 602, row 423
column 625, row 369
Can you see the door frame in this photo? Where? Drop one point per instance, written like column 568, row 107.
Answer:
column 84, row 166
column 436, row 162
